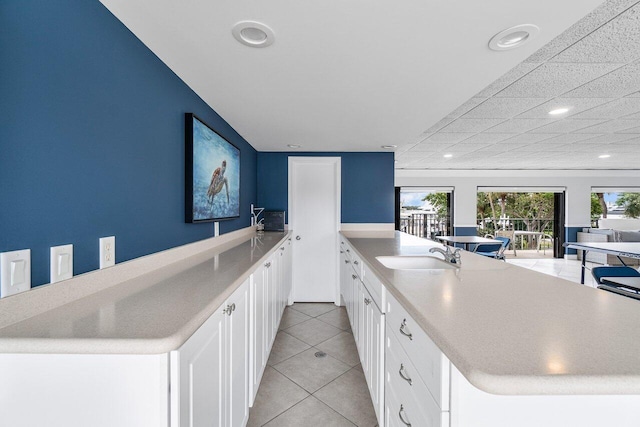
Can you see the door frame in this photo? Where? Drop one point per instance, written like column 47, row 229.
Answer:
column 336, row 162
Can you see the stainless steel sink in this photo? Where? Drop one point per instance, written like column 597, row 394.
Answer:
column 414, row 262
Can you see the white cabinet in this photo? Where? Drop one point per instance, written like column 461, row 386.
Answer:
column 372, row 351
column 209, row 373
column 367, row 324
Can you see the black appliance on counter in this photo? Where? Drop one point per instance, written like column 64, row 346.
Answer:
column 273, row 220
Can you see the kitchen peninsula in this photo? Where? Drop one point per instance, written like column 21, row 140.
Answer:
column 524, row 348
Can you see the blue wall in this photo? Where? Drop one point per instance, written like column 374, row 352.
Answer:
column 92, row 138
column 367, row 184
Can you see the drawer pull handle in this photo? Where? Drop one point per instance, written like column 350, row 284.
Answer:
column 356, row 262
column 354, row 277
column 282, row 248
column 346, row 261
column 402, row 418
column 404, row 324
column 268, row 265
column 403, row 376
column 367, row 301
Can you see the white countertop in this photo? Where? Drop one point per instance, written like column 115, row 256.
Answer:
column 510, row 330
column 150, row 314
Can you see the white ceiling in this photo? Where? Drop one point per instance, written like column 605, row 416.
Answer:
column 352, row 76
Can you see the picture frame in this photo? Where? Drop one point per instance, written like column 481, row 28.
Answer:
column 212, row 174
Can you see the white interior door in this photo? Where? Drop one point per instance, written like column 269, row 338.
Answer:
column 314, row 217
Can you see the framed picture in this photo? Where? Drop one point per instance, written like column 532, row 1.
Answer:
column 212, row 174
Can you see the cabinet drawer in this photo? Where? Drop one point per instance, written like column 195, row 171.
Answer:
column 403, row 377
column 430, row 362
column 403, row 411
column 374, row 286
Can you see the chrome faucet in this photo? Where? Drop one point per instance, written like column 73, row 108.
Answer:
column 449, row 256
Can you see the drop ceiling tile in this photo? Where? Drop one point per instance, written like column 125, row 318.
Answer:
column 567, row 125
column 428, row 147
column 452, row 137
column 543, row 148
column 435, row 128
column 635, row 130
column 550, row 80
column 635, row 116
column 611, row 126
column 465, row 148
column 488, row 138
column 471, row 125
column 612, row 110
column 519, row 125
column 621, row 148
column 527, row 138
column 621, row 82
column 604, row 44
column 568, row 138
column 508, row 78
column 502, row 108
column 576, row 105
column 603, row 13
column 467, row 106
column 608, row 138
column 634, row 95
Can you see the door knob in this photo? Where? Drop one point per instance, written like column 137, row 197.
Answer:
column 298, row 237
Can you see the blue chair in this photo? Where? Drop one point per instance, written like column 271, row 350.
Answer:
column 611, row 271
column 493, row 250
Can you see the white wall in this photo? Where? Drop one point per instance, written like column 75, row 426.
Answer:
column 576, row 183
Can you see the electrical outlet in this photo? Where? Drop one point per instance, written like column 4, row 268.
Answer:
column 15, row 271
column 61, row 265
column 107, row 251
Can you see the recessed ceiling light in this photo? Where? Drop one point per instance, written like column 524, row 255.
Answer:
column 388, row 147
column 604, row 156
column 513, row 37
column 253, row 34
column 294, row 145
column 448, row 156
column 558, row 111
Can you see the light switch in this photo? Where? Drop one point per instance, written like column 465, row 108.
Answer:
column 15, row 272
column 61, row 263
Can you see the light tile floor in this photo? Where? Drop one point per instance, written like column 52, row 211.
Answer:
column 300, row 389
column 563, row 268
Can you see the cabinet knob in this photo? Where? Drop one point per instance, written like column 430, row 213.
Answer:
column 228, row 309
column 298, row 237
column 354, row 277
column 282, row 248
column 367, row 301
column 268, row 265
column 406, row 334
column 408, row 424
column 356, row 262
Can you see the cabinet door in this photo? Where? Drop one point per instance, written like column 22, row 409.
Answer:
column 238, row 357
column 200, row 399
column 376, row 361
column 259, row 330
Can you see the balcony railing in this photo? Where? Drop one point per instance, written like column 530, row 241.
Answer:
column 540, row 225
column 425, row 225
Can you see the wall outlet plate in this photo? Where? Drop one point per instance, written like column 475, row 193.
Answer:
column 107, row 251
column 15, row 272
column 61, row 263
